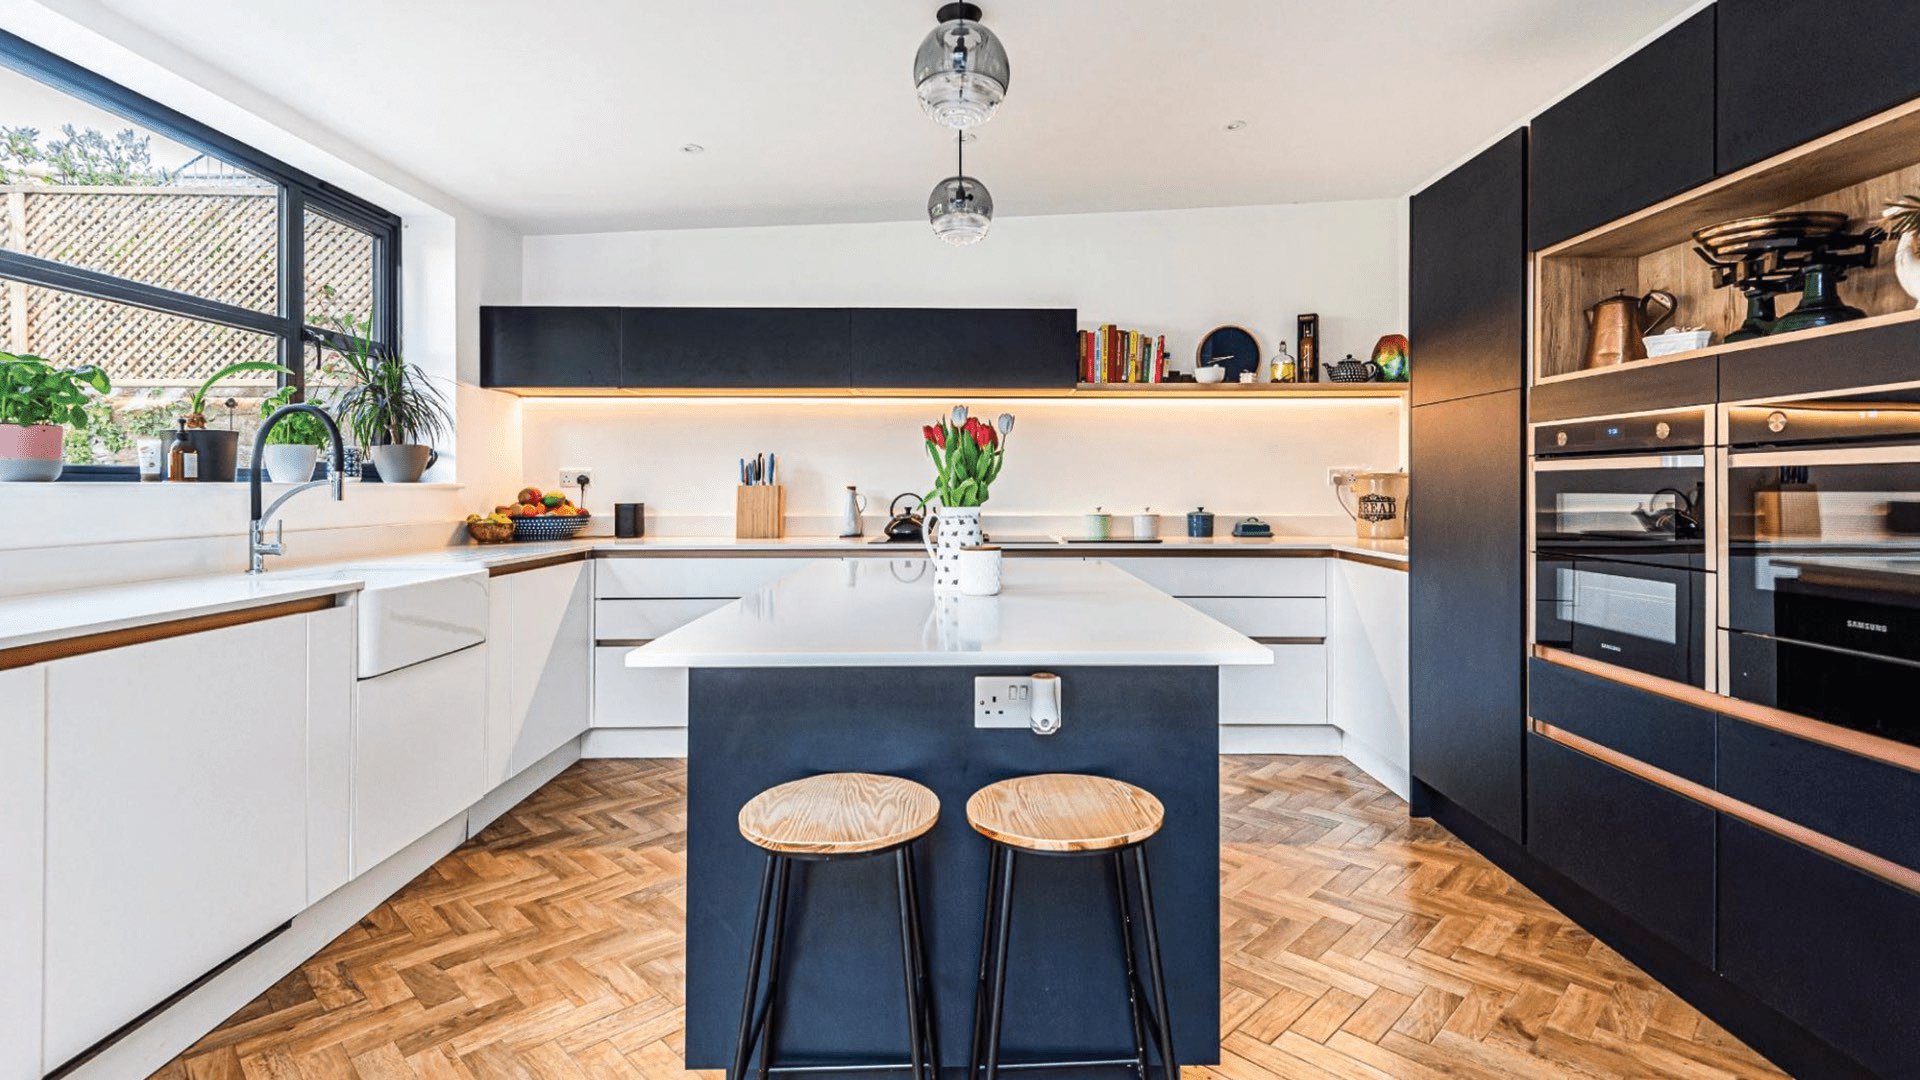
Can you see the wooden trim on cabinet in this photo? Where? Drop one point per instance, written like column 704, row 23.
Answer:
column 1860, row 743
column 1864, row 861
column 540, row 564
column 41, row 652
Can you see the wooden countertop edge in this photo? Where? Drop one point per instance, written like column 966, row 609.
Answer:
column 1884, row 750
column 79, row 645
column 1052, row 551
column 1866, row 862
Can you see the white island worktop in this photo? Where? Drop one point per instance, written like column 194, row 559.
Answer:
column 883, row 613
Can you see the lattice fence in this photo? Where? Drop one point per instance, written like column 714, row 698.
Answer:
column 215, row 242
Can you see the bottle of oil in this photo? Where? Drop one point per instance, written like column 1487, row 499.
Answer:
column 183, row 461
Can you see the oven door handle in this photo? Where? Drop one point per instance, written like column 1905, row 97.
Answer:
column 1827, row 455
column 1637, row 461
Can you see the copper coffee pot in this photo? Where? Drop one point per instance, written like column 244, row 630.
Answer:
column 1616, row 325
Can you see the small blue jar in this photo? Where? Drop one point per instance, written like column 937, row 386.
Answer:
column 1200, row 523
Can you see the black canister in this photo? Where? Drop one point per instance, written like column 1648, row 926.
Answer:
column 629, row 520
column 1200, row 523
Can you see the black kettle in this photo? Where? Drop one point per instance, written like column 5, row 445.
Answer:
column 904, row 525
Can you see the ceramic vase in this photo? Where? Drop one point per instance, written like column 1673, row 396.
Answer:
column 947, row 530
column 289, row 463
column 1906, row 264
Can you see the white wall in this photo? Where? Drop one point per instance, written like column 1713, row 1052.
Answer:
column 1180, row 273
column 453, row 260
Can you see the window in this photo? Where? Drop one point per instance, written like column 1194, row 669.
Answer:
column 138, row 240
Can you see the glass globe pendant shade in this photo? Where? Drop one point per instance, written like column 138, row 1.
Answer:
column 960, row 210
column 961, row 71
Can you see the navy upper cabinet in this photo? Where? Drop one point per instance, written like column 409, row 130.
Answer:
column 965, row 348
column 557, row 347
column 1467, row 293
column 709, row 348
column 1639, row 133
column 1791, row 71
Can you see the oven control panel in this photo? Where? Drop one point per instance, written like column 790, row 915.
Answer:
column 1677, row 428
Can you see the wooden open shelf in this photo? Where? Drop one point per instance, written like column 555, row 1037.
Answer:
column 1856, row 170
column 1135, row 391
column 1296, row 391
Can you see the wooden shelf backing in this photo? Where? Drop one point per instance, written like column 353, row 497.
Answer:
column 1856, row 171
column 1870, row 323
column 1270, row 390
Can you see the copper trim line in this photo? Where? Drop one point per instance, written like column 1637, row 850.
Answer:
column 1864, row 861
column 1860, row 743
column 41, row 652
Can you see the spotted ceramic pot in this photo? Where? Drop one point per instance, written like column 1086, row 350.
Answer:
column 31, row 451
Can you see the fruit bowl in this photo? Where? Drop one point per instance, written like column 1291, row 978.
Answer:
column 490, row 532
column 547, row 527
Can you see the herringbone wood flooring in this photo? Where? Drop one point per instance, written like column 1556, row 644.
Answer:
column 1357, row 944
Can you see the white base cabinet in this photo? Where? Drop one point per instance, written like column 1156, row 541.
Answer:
column 540, row 673
column 419, row 751
column 1293, row 690
column 22, row 867
column 176, row 820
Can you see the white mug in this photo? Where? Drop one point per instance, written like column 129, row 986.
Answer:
column 980, row 570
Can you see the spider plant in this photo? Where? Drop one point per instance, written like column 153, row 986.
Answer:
column 385, row 399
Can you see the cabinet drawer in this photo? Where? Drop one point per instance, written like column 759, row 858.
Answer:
column 1202, row 575
column 644, row 620
column 1644, row 851
column 419, row 751
column 641, row 578
column 1856, row 800
column 1830, row 947
column 1291, row 691
column 1643, row 726
column 1265, row 616
column 625, row 697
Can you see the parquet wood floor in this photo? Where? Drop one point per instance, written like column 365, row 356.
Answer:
column 1357, row 944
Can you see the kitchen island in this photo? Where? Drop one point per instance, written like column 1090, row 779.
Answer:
column 855, row 665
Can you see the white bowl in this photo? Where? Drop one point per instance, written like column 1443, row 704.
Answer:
column 1210, row 373
column 1669, row 343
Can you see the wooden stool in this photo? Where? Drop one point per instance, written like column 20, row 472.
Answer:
column 1061, row 814
column 827, row 818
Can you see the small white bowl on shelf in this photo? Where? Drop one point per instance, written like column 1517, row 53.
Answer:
column 1674, row 341
column 1209, row 373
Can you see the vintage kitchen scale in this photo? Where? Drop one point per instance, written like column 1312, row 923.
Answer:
column 1807, row 251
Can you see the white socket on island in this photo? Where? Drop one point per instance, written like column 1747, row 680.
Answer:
column 1017, row 701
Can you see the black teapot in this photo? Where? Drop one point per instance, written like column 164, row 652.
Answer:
column 1351, row 370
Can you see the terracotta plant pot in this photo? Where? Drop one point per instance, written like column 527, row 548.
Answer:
column 31, row 451
column 402, row 463
column 289, row 463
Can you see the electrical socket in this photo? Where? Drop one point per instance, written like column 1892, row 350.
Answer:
column 1002, row 701
column 1340, row 476
column 574, row 477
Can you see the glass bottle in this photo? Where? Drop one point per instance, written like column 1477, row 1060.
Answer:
column 1284, row 368
column 183, row 461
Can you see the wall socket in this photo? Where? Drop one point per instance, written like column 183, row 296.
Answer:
column 575, row 477
column 1002, row 701
column 1340, row 476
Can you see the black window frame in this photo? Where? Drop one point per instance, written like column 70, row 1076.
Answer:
column 298, row 191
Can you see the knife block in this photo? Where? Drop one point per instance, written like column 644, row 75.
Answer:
column 760, row 512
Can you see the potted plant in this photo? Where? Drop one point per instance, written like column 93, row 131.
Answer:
column 293, row 446
column 1902, row 217
column 388, row 404
column 37, row 402
column 219, row 450
column 967, row 453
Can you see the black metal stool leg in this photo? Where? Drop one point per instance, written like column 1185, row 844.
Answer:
column 1133, row 968
column 986, row 960
column 1004, row 902
column 747, row 1010
column 782, row 897
column 1163, row 1023
column 910, row 965
column 921, row 969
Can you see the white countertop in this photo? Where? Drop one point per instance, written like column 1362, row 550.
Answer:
column 31, row 620
column 869, row 613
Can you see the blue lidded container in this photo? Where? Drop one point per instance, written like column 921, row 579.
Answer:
column 1200, row 523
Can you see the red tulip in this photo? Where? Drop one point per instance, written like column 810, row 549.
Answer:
column 936, row 435
column 982, row 436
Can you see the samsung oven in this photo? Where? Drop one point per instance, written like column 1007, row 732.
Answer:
column 1622, row 531
column 1822, row 561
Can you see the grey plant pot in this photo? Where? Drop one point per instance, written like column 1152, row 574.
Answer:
column 402, row 463
column 219, row 453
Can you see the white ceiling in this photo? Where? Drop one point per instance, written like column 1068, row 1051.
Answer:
column 568, row 115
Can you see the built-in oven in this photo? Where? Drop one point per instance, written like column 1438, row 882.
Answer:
column 1822, row 560
column 1622, row 524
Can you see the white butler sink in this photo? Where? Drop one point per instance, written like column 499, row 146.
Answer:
column 409, row 614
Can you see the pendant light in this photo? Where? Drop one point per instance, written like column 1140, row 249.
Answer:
column 960, row 209
column 961, row 69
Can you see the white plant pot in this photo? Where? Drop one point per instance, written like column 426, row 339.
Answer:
column 947, row 530
column 1906, row 264
column 289, row 463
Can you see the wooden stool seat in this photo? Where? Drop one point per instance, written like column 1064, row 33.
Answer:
column 839, row 814
column 1064, row 812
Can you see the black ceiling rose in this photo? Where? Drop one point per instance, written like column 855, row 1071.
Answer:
column 950, row 12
